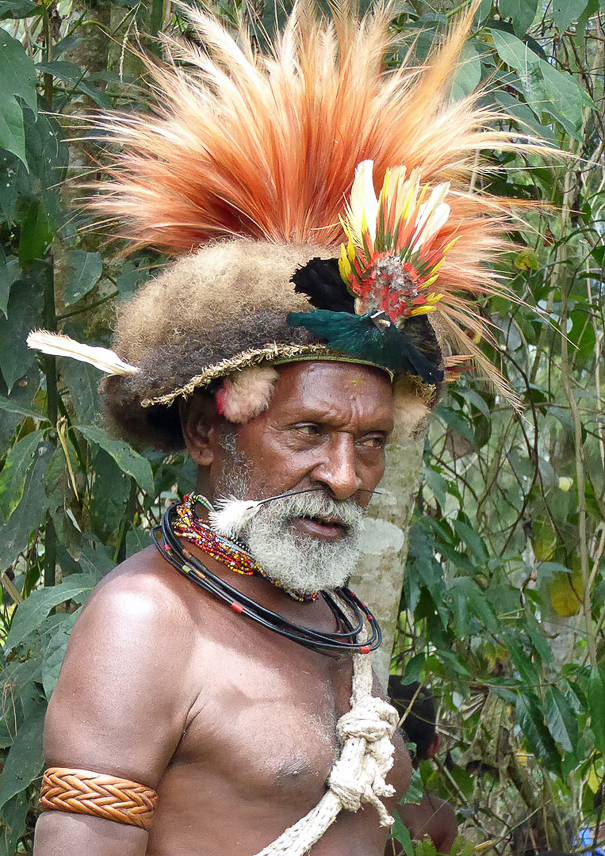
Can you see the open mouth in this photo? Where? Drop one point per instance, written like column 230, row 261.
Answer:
column 324, row 527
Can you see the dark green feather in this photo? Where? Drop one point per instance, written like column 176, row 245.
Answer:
column 358, row 336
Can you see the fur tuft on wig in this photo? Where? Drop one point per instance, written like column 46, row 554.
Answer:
column 246, row 393
column 411, row 410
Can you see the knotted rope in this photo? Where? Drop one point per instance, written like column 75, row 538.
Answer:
column 358, row 776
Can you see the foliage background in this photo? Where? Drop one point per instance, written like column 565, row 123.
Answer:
column 503, row 610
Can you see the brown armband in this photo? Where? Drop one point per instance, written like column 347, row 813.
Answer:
column 110, row 797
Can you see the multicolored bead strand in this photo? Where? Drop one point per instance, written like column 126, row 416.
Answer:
column 188, row 526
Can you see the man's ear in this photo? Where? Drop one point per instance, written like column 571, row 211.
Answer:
column 198, row 423
column 434, row 747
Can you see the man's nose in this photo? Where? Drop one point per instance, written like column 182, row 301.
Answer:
column 337, row 469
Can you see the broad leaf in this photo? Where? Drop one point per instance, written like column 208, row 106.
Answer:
column 55, row 653
column 85, row 270
column 538, row 736
column 5, row 283
column 126, row 458
column 36, row 233
column 13, row 405
column 25, row 760
column 13, row 817
column 12, row 477
column 29, row 514
column 32, row 612
column 19, row 9
column 83, row 383
column 18, row 77
column 561, row 719
column 545, row 88
column 23, row 315
column 521, row 13
column 596, row 707
column 566, row 11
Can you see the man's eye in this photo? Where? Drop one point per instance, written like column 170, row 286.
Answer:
column 308, row 429
column 376, row 441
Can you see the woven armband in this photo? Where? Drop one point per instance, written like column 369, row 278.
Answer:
column 84, row 792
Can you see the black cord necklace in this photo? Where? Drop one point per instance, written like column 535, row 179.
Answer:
column 344, row 640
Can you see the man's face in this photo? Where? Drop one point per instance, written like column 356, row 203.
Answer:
column 326, row 428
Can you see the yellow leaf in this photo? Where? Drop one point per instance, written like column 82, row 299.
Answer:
column 566, row 592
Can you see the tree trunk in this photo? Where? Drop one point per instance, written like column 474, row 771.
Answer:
column 379, row 577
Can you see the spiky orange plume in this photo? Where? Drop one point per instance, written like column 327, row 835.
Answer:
column 266, row 146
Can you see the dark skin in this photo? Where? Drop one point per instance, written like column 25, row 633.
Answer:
column 432, row 817
column 233, row 725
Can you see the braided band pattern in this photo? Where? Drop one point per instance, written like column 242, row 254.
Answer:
column 110, row 797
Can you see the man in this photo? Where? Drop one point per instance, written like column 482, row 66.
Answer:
column 431, row 817
column 218, row 687
column 232, row 727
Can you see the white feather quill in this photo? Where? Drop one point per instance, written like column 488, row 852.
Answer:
column 62, row 346
column 231, row 515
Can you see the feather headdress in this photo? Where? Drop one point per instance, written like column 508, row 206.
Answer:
column 260, row 151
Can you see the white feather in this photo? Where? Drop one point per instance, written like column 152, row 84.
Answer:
column 62, row 346
column 231, row 515
column 363, row 203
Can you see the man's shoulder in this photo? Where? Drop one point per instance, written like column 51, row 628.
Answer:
column 145, row 593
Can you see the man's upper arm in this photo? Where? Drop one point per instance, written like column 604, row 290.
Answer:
column 120, row 704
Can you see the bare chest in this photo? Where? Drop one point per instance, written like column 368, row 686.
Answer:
column 266, row 726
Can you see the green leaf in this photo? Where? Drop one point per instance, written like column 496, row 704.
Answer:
column 36, row 233
column 110, row 491
column 13, row 817
column 561, row 719
column 456, row 422
column 523, row 115
column 86, row 270
column 473, row 541
column 521, row 661
column 596, row 707
column 401, row 834
column 12, row 133
column 23, row 315
column 126, row 458
column 415, row 789
column 19, row 9
column 55, row 653
column 545, row 88
column 137, row 539
column 566, row 11
column 5, row 283
column 18, row 77
column 521, row 12
column 83, row 383
column 475, row 601
column 32, row 612
column 14, row 406
column 12, row 478
column 468, row 75
column 29, row 514
column 414, row 669
column 25, row 759
column 538, row 736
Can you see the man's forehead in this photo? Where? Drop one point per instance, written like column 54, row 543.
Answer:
column 323, row 384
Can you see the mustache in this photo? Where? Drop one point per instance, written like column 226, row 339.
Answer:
column 317, row 504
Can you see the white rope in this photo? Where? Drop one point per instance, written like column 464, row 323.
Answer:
column 358, row 776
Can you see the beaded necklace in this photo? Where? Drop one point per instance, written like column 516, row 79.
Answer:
column 351, row 615
column 229, row 553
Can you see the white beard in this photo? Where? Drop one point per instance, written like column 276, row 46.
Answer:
column 300, row 562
